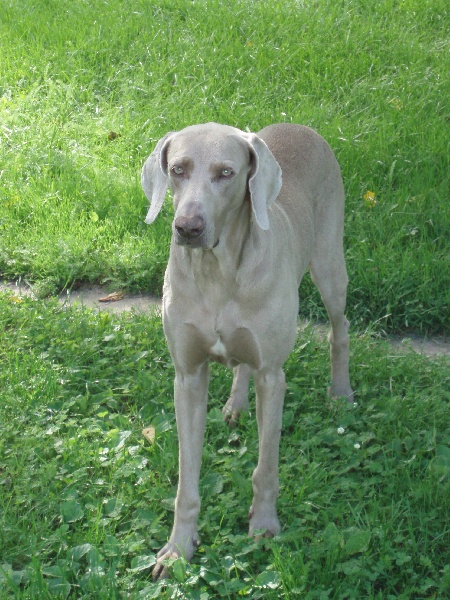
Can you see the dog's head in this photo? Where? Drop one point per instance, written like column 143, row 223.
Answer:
column 209, row 169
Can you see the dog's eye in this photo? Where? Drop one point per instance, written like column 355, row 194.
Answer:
column 177, row 170
column 226, row 173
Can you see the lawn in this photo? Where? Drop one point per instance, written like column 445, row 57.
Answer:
column 86, row 90
column 86, row 500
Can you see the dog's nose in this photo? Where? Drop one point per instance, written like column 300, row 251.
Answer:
column 190, row 227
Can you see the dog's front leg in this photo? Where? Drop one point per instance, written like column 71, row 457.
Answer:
column 270, row 390
column 191, row 393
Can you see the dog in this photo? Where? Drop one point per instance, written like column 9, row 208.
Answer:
column 252, row 213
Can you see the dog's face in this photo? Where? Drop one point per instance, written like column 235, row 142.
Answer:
column 208, row 170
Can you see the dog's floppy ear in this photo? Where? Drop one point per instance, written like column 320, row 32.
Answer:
column 154, row 177
column 265, row 180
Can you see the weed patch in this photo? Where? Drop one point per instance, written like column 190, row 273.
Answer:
column 87, row 501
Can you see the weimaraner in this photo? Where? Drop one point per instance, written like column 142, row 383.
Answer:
column 252, row 213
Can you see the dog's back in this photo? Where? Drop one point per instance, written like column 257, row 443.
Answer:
column 310, row 169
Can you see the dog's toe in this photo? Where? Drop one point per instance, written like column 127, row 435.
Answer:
column 161, row 570
column 231, row 417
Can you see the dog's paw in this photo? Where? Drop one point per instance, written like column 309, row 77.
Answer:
column 335, row 392
column 231, row 417
column 233, row 409
column 161, row 569
column 263, row 525
column 170, row 552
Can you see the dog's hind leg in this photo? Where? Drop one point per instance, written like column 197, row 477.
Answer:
column 238, row 400
column 330, row 276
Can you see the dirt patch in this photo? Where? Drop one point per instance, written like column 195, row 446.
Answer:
column 91, row 296
column 98, row 297
column 430, row 346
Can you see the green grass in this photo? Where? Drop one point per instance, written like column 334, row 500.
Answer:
column 86, row 502
column 371, row 77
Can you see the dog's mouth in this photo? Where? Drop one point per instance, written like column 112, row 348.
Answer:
column 195, row 243
column 194, row 239
column 190, row 243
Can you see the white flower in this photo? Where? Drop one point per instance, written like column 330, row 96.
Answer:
column 357, row 446
column 340, row 430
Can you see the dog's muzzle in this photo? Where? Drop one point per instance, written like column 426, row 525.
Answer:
column 189, row 230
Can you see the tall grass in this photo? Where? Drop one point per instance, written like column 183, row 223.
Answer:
column 86, row 89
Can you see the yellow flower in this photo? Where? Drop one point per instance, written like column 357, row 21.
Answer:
column 396, row 103
column 369, row 197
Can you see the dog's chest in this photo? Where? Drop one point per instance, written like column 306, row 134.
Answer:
column 216, row 318
column 235, row 346
column 218, row 351
column 230, row 333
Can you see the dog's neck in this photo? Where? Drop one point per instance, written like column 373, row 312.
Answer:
column 233, row 238
column 220, row 266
